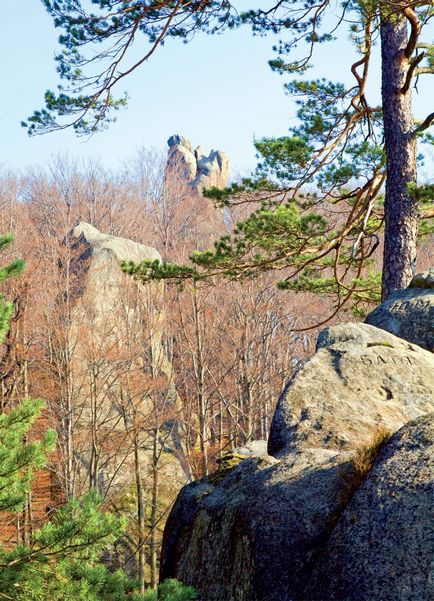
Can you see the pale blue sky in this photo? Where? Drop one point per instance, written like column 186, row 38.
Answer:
column 217, row 90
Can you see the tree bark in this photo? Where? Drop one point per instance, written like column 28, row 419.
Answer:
column 401, row 215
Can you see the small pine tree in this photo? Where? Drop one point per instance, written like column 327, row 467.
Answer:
column 171, row 590
column 63, row 561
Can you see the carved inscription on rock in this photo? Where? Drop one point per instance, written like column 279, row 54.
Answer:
column 381, row 360
column 411, row 305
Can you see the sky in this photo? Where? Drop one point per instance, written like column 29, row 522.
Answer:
column 217, row 90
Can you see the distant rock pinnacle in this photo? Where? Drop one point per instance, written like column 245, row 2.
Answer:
column 200, row 170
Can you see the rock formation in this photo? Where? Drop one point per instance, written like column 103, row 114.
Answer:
column 382, row 546
column 199, row 170
column 117, row 327
column 101, row 280
column 359, row 378
column 283, row 527
column 255, row 535
column 104, row 295
column 409, row 313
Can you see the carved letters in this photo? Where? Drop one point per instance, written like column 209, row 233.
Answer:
column 381, row 360
column 404, row 305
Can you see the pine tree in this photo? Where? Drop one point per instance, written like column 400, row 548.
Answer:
column 346, row 147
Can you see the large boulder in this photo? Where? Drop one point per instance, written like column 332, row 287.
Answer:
column 302, row 524
column 382, row 546
column 361, row 377
column 284, row 529
column 198, row 169
column 409, row 313
column 256, row 534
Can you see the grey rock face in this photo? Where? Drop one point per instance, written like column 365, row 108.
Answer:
column 361, row 377
column 122, row 248
column 103, row 281
column 409, row 313
column 200, row 170
column 425, row 279
column 257, row 534
column 382, row 547
column 182, row 158
column 278, row 528
column 255, row 448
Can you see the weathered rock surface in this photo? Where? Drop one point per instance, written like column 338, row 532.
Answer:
column 200, row 170
column 361, row 377
column 382, row 547
column 97, row 264
column 256, row 535
column 425, row 279
column 280, row 529
column 103, row 244
column 409, row 313
column 255, row 448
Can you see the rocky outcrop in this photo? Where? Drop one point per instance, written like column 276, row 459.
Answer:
column 104, row 296
column 359, row 378
column 409, row 313
column 286, row 526
column 97, row 264
column 116, row 345
column 281, row 530
column 199, row 170
column 256, row 535
column 98, row 244
column 382, row 547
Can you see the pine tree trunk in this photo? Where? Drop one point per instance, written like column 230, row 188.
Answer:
column 401, row 216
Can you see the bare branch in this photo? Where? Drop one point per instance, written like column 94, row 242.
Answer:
column 424, row 125
column 424, row 71
column 411, row 71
